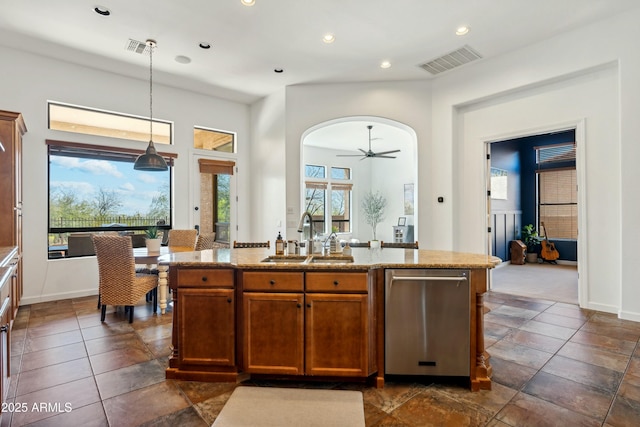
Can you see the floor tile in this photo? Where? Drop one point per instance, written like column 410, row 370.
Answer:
column 125, row 380
column 53, row 356
column 559, row 320
column 580, row 398
column 529, row 411
column 51, row 341
column 116, row 359
column 548, row 329
column 187, row 417
column 604, row 342
column 519, row 354
column 87, row 416
column 595, row 356
column 537, row 341
column 584, row 373
column 511, row 374
column 114, row 342
column 49, row 376
column 144, row 405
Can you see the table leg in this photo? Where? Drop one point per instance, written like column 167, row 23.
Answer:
column 162, row 287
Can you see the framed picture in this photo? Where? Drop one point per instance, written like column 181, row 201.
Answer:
column 499, row 184
column 408, row 199
column 402, row 221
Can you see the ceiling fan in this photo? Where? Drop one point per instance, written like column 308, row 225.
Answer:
column 370, row 153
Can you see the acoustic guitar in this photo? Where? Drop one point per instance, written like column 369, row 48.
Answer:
column 549, row 251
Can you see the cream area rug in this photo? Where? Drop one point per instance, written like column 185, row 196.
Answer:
column 295, row 407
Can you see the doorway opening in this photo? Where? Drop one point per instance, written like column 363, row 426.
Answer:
column 533, row 181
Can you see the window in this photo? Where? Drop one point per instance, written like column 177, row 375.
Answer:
column 338, row 205
column 89, row 121
column 214, row 140
column 95, row 189
column 558, row 190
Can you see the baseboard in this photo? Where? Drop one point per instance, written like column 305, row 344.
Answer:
column 629, row 315
column 59, row 296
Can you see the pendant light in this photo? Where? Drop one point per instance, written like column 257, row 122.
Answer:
column 150, row 161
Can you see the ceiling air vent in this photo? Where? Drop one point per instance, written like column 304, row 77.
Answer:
column 451, row 60
column 137, row 47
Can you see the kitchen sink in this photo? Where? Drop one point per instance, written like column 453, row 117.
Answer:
column 331, row 259
column 285, row 259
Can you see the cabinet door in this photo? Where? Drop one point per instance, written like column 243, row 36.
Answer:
column 337, row 334
column 206, row 334
column 5, row 342
column 273, row 328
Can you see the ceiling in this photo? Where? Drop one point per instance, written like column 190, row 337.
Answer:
column 249, row 43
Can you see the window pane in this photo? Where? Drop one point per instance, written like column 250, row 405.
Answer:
column 341, row 211
column 558, row 203
column 340, row 173
column 88, row 193
column 214, row 140
column 89, row 121
column 315, row 205
column 313, row 171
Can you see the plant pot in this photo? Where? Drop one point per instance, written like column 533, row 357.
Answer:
column 532, row 257
column 153, row 245
column 374, row 244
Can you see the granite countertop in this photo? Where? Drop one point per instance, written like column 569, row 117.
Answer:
column 363, row 258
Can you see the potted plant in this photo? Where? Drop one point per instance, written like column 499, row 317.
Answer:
column 153, row 240
column 373, row 206
column 531, row 239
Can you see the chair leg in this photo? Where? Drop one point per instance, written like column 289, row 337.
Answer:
column 155, row 300
column 99, row 298
column 104, row 312
column 131, row 314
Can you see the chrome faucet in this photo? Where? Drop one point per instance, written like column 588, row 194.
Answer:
column 308, row 243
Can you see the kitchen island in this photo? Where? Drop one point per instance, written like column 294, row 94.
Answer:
column 239, row 313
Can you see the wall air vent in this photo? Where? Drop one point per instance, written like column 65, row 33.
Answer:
column 137, row 47
column 451, row 60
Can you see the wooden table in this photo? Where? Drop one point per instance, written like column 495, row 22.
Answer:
column 143, row 256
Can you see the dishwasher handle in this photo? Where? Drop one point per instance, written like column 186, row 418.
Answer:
column 425, row 278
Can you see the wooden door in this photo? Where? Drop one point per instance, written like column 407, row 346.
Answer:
column 273, row 333
column 337, row 334
column 206, row 334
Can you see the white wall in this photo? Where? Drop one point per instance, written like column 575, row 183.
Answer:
column 29, row 82
column 405, row 102
column 612, row 205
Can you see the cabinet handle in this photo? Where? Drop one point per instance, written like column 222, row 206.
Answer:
column 299, row 305
column 335, row 282
column 204, row 278
column 308, row 305
column 4, row 328
column 229, row 299
column 272, row 282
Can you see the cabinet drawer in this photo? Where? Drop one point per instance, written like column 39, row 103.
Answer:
column 188, row 278
column 273, row 281
column 336, row 282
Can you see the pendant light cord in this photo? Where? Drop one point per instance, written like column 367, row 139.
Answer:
column 151, row 44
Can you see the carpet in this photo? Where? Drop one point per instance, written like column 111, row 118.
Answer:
column 283, row 407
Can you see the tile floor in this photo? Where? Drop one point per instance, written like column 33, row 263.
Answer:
column 554, row 365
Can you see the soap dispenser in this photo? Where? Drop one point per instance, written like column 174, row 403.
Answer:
column 279, row 245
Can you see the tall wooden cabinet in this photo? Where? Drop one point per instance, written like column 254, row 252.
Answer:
column 12, row 128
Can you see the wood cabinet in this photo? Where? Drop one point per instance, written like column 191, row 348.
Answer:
column 313, row 323
column 12, row 128
column 8, row 272
column 204, row 326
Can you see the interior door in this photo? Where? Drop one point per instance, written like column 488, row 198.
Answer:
column 214, row 201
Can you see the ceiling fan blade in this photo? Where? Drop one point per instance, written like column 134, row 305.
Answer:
column 348, row 155
column 387, row 152
column 385, row 157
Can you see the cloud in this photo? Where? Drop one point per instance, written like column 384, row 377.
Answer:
column 91, row 166
column 82, row 189
column 147, row 178
column 128, row 187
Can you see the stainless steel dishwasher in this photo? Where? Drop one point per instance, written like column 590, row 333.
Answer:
column 427, row 322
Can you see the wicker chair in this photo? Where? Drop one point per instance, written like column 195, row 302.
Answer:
column 119, row 283
column 409, row 245
column 183, row 238
column 252, row 244
column 205, row 241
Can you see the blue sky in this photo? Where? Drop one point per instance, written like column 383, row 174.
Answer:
column 85, row 176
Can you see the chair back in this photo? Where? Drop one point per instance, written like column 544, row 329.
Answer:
column 266, row 244
column 80, row 244
column 205, row 241
column 403, row 245
column 183, row 238
column 116, row 266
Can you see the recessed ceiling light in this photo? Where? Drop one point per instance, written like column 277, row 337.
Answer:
column 329, row 38
column 101, row 10
column 248, row 2
column 278, row 70
column 204, row 45
column 462, row 30
column 385, row 64
column 183, row 59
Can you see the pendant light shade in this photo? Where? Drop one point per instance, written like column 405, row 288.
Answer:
column 150, row 161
